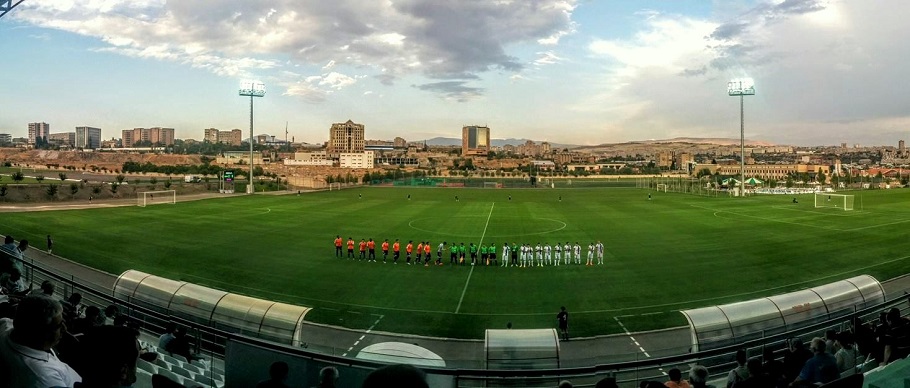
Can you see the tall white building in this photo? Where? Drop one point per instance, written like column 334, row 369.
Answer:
column 356, row 159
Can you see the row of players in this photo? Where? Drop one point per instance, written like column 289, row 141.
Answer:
column 523, row 255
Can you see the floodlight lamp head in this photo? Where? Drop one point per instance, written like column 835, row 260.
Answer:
column 252, row 88
column 741, row 87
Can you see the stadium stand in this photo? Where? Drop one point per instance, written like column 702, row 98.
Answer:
column 220, row 348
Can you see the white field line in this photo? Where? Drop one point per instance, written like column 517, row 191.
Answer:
column 472, row 267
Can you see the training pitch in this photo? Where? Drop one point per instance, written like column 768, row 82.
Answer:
column 672, row 252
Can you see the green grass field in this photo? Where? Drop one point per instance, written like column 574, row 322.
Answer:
column 674, row 252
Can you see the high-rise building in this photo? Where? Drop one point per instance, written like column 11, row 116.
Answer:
column 63, row 139
column 901, row 150
column 400, row 143
column 161, row 136
column 88, row 137
column 155, row 136
column 36, row 130
column 346, row 137
column 475, row 140
column 6, row 138
column 211, row 135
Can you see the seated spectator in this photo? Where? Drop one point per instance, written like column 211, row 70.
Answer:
column 47, row 289
column 180, row 345
column 27, row 358
column 795, row 359
column 757, row 378
column 676, row 380
column 108, row 357
column 328, row 377
column 565, row 384
column 698, row 377
column 846, row 354
column 91, row 319
column 9, row 255
column 111, row 312
column 399, row 375
column 13, row 284
column 650, row 384
column 830, row 339
column 896, row 339
column 73, row 308
column 864, row 339
column 278, row 374
column 167, row 336
column 773, row 369
column 739, row 373
column 821, row 368
column 606, row 382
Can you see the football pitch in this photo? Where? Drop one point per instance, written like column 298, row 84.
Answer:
column 672, row 252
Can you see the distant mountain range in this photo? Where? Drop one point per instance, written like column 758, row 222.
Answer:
column 450, row 141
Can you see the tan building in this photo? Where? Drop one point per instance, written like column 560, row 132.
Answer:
column 475, row 140
column 211, row 135
column 155, row 136
column 36, row 130
column 400, row 143
column 347, row 137
column 63, row 139
column 664, row 159
column 764, row 171
column 233, row 137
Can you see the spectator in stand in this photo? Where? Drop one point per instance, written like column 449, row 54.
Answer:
column 13, row 284
column 830, row 339
column 795, row 359
column 92, row 319
column 399, row 375
column 864, row 338
column 607, row 382
column 698, row 377
column 111, row 312
column 773, row 369
column 168, row 335
column 27, row 358
column 650, row 384
column 278, row 374
column 47, row 289
column 565, row 384
column 73, row 308
column 108, row 357
column 756, row 377
column 180, row 345
column 676, row 380
column 740, row 372
column 846, row 354
column 896, row 339
column 9, row 255
column 328, row 377
column 821, row 368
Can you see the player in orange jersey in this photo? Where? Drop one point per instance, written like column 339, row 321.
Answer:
column 385, row 250
column 338, row 244
column 350, row 247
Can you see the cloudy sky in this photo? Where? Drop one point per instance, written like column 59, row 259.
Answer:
column 566, row 71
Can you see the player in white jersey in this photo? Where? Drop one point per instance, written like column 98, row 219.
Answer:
column 538, row 255
column 577, row 250
column 590, row 254
column 600, row 252
column 558, row 253
column 547, row 254
column 505, row 254
column 567, row 253
column 524, row 255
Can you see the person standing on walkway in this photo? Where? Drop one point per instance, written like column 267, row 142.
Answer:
column 50, row 244
column 563, row 319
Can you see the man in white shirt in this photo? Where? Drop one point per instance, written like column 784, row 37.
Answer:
column 27, row 359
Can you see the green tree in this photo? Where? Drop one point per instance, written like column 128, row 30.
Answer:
column 18, row 177
column 167, row 184
column 39, row 178
column 62, row 176
column 329, row 179
column 120, row 178
column 153, row 180
column 703, row 173
column 96, row 190
column 52, row 190
column 114, row 187
column 74, row 188
column 3, row 190
column 820, row 177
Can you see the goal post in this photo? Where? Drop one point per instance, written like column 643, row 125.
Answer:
column 491, row 185
column 662, row 187
column 145, row 198
column 839, row 201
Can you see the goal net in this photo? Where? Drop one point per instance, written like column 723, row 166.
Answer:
column 839, row 201
column 662, row 187
column 146, row 198
column 490, row 185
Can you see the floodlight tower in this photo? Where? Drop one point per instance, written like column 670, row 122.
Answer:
column 8, row 5
column 741, row 87
column 252, row 89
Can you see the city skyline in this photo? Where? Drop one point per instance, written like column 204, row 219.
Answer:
column 571, row 72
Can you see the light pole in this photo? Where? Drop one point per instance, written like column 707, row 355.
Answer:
column 741, row 87
column 252, row 89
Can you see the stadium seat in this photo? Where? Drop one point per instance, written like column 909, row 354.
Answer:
column 170, row 360
column 852, row 381
column 193, row 368
column 182, row 359
column 182, row 372
column 161, row 363
column 143, row 379
column 147, row 366
column 204, row 380
column 171, row 375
